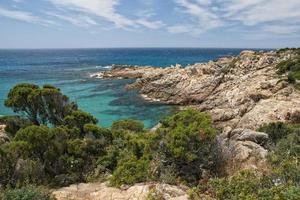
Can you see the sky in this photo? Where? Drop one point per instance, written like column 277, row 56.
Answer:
column 149, row 23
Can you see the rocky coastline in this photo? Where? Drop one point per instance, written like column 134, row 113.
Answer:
column 239, row 92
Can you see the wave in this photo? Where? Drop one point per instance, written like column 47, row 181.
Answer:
column 104, row 67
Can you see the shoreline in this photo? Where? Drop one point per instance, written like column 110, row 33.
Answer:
column 241, row 91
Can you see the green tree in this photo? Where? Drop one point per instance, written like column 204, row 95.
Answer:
column 78, row 119
column 39, row 105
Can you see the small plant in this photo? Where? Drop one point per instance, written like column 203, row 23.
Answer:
column 155, row 194
column 26, row 193
column 276, row 131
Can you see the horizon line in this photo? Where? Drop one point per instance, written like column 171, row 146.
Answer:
column 72, row 48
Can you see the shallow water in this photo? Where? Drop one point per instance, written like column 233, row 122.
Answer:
column 107, row 100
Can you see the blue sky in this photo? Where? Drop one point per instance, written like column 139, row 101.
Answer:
column 149, row 23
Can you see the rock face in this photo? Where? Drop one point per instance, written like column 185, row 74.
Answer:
column 100, row 191
column 3, row 136
column 243, row 149
column 240, row 92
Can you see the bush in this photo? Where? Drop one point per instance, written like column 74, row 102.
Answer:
column 26, row 193
column 245, row 185
column 285, row 66
column 187, row 144
column 7, row 164
column 291, row 193
column 98, row 132
column 276, row 131
column 14, row 123
column 285, row 159
column 291, row 79
column 29, row 171
column 79, row 119
column 130, row 170
column 128, row 125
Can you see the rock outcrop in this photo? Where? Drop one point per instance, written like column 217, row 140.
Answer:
column 243, row 149
column 240, row 92
column 100, row 191
column 3, row 136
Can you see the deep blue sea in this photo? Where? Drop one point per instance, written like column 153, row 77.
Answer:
column 70, row 69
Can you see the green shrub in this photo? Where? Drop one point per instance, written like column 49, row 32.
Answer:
column 285, row 159
column 130, row 170
column 98, row 132
column 285, row 66
column 128, row 125
column 297, row 86
column 7, row 164
column 26, row 193
column 187, row 144
column 14, row 123
column 276, row 131
column 291, row 193
column 291, row 78
column 155, row 194
column 79, row 119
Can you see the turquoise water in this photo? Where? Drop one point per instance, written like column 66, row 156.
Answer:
column 107, row 100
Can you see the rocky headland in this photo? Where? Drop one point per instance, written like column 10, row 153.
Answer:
column 239, row 92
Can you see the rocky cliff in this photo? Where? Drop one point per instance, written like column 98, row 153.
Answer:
column 240, row 92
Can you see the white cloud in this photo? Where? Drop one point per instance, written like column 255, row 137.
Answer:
column 259, row 14
column 259, row 11
column 150, row 24
column 24, row 16
column 81, row 21
column 206, row 19
column 179, row 29
column 107, row 10
column 281, row 29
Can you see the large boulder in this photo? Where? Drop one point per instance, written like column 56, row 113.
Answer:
column 100, row 191
column 243, row 149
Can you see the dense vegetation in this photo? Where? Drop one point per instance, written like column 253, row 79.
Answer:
column 54, row 144
column 282, row 182
column 291, row 67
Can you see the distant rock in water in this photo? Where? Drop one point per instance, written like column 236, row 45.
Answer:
column 239, row 92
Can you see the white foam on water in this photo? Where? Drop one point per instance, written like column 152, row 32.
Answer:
column 103, row 67
column 96, row 75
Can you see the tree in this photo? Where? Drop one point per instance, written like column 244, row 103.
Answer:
column 40, row 105
column 78, row 119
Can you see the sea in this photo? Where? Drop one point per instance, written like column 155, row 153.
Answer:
column 108, row 100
